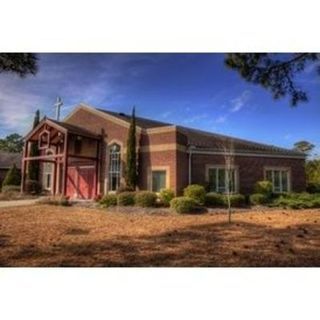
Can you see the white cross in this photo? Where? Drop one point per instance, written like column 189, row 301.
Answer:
column 58, row 105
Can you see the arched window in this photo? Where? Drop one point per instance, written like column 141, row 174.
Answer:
column 114, row 167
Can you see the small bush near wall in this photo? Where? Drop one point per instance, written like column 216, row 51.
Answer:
column 183, row 204
column 195, row 192
column 237, row 200
column 166, row 195
column 33, row 186
column 259, row 198
column 298, row 201
column 108, row 200
column 263, row 187
column 145, row 199
column 126, row 198
column 313, row 187
column 214, row 199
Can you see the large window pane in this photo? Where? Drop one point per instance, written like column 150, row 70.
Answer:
column 221, row 180
column 284, row 177
column 114, row 167
column 158, row 180
column 213, row 180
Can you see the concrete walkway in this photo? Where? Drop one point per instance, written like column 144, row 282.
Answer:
column 17, row 203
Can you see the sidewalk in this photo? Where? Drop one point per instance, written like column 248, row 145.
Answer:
column 17, row 203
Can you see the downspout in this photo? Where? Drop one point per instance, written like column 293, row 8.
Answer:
column 190, row 148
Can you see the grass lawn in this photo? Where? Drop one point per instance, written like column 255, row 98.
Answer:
column 70, row 236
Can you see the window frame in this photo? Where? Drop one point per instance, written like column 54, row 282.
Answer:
column 165, row 182
column 117, row 173
column 158, row 168
column 281, row 169
column 224, row 167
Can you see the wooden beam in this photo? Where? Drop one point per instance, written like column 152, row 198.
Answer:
column 48, row 157
column 65, row 165
column 23, row 166
column 82, row 157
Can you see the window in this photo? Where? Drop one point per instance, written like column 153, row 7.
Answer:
column 158, row 180
column 219, row 178
column 47, row 174
column 279, row 179
column 114, row 167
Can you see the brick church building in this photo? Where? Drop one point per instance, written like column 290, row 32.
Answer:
column 84, row 156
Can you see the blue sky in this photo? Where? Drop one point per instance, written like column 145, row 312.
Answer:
column 194, row 90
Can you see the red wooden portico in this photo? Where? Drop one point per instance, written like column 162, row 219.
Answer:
column 69, row 159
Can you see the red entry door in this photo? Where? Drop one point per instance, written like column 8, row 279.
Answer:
column 81, row 182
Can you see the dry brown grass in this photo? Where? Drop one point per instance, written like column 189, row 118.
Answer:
column 69, row 236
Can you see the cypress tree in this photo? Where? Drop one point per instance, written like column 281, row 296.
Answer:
column 131, row 172
column 13, row 177
column 34, row 168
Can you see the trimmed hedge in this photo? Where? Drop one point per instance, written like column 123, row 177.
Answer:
column 263, row 187
column 183, row 204
column 166, row 195
column 195, row 192
column 259, row 198
column 145, row 199
column 108, row 200
column 214, row 199
column 236, row 200
column 126, row 198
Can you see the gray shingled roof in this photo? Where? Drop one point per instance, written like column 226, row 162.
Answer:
column 7, row 159
column 141, row 122
column 209, row 140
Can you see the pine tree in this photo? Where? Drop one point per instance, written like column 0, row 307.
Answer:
column 13, row 177
column 34, row 168
column 131, row 172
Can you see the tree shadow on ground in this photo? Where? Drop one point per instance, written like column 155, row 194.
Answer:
column 217, row 245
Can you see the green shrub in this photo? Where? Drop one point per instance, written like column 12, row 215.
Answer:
column 195, row 192
column 10, row 188
column 298, row 201
column 126, row 198
column 263, row 187
column 108, row 200
column 124, row 188
column 166, row 195
column 12, row 178
column 33, row 186
column 258, row 198
column 236, row 200
column 183, row 204
column 145, row 199
column 313, row 187
column 214, row 199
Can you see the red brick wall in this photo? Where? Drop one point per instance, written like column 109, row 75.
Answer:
column 251, row 170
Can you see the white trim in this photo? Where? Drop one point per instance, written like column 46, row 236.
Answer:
column 158, row 168
column 243, row 154
column 279, row 168
column 222, row 166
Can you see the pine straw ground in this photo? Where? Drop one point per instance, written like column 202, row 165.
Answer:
column 70, row 236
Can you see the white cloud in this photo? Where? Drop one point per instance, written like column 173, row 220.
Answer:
column 195, row 118
column 238, row 103
column 221, row 119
